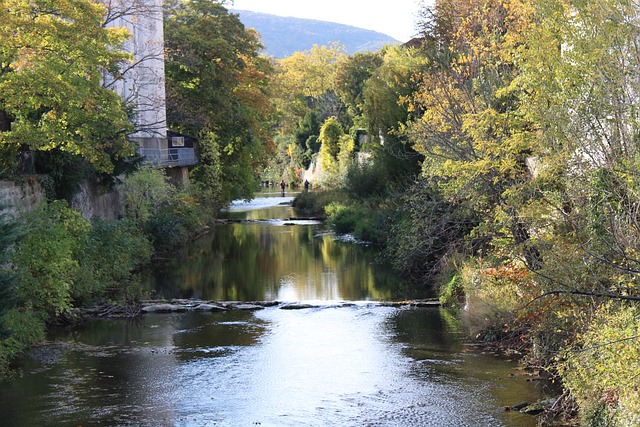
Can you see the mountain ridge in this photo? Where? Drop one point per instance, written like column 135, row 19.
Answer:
column 282, row 36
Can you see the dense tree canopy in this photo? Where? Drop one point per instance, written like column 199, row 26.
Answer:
column 216, row 83
column 52, row 54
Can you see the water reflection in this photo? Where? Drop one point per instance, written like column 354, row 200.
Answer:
column 351, row 366
column 271, row 259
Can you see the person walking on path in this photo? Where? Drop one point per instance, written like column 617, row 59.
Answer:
column 282, row 187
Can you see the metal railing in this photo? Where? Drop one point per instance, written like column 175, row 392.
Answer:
column 167, row 157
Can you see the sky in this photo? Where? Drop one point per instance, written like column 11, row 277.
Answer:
column 394, row 18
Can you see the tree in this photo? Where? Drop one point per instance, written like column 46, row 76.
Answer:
column 51, row 82
column 217, row 83
column 305, row 81
column 351, row 75
column 331, row 135
column 582, row 90
column 468, row 125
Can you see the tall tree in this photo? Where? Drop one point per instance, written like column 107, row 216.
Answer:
column 52, row 54
column 305, row 81
column 217, row 87
column 580, row 79
column 468, row 125
column 352, row 73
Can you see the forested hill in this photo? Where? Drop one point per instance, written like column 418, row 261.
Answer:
column 284, row 35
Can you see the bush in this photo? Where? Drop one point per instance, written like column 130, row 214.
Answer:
column 166, row 231
column 343, row 219
column 494, row 297
column 48, row 257
column 113, row 253
column 364, row 222
column 313, row 202
column 25, row 328
column 366, row 180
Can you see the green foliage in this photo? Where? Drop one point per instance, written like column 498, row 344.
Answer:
column 601, row 368
column 176, row 222
column 168, row 216
column 366, row 180
column 113, row 252
column 206, row 176
column 331, row 134
column 51, row 82
column 9, row 234
column 25, row 328
column 48, row 258
column 385, row 109
column 426, row 231
column 351, row 76
column 306, row 136
column 452, row 292
column 145, row 192
column 312, row 203
column 64, row 171
column 217, row 87
column 364, row 222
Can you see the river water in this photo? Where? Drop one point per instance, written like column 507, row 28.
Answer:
column 349, row 361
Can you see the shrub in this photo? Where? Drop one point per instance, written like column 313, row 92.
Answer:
column 166, row 231
column 494, row 297
column 366, row 180
column 343, row 219
column 48, row 257
column 601, row 368
column 313, row 202
column 146, row 191
column 109, row 260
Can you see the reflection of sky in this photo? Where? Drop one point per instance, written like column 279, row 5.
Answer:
column 297, row 288
column 259, row 203
column 354, row 365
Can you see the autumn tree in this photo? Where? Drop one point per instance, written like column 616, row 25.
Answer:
column 304, row 81
column 583, row 92
column 351, row 75
column 468, row 125
column 331, row 135
column 52, row 55
column 217, row 84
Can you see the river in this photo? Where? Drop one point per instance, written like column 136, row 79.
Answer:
column 348, row 361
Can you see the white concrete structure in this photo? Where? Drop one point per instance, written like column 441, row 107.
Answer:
column 142, row 82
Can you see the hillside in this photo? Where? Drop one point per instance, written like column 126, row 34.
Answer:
column 284, row 35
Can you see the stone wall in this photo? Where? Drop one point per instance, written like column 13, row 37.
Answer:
column 90, row 200
column 25, row 196
column 93, row 203
column 21, row 197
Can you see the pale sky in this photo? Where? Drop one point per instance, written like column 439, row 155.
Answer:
column 395, row 18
